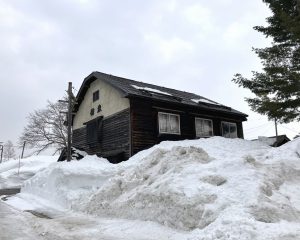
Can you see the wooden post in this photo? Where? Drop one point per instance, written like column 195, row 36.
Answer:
column 22, row 155
column 69, row 147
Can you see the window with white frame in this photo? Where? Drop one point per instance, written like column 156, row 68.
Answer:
column 204, row 127
column 229, row 130
column 169, row 123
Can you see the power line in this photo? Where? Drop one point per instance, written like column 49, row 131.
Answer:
column 253, row 131
column 267, row 130
column 257, row 126
column 290, row 129
column 254, row 135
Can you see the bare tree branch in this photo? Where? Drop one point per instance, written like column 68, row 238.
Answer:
column 8, row 150
column 45, row 128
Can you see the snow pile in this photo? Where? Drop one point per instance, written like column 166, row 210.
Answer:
column 291, row 147
column 163, row 188
column 187, row 188
column 213, row 188
column 78, row 154
column 267, row 140
column 13, row 173
column 64, row 182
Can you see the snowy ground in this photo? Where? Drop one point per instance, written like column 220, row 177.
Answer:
column 204, row 189
column 15, row 224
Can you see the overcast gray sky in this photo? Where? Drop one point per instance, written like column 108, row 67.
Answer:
column 191, row 45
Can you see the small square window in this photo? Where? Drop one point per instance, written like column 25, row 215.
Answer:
column 96, row 96
column 204, row 127
column 169, row 123
column 229, row 130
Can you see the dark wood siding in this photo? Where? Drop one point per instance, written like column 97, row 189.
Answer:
column 80, row 139
column 143, row 126
column 144, row 122
column 115, row 133
column 135, row 129
column 114, row 138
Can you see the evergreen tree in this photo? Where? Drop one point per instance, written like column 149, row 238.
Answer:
column 277, row 87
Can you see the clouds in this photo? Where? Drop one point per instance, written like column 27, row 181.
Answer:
column 190, row 45
column 171, row 49
column 200, row 16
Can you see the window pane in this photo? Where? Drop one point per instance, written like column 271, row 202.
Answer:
column 96, row 96
column 233, row 130
column 225, row 129
column 229, row 130
column 211, row 130
column 198, row 127
column 174, row 124
column 169, row 123
column 203, row 127
column 163, row 122
column 207, row 128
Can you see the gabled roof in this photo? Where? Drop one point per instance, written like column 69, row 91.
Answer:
column 131, row 88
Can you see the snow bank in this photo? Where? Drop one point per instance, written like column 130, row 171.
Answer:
column 191, row 185
column 213, row 188
column 11, row 176
column 64, row 182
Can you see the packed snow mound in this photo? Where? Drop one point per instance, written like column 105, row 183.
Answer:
column 292, row 146
column 214, row 188
column 13, row 173
column 64, row 182
column 156, row 190
column 186, row 188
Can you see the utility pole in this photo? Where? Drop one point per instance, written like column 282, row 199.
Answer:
column 69, row 118
column 276, row 131
column 71, row 100
column 1, row 145
column 23, row 148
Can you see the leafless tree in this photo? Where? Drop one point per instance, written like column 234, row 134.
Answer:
column 8, row 150
column 45, row 128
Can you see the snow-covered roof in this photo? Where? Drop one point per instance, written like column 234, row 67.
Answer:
column 204, row 100
column 132, row 88
column 151, row 90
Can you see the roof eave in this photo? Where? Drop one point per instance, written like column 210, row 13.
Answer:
column 241, row 115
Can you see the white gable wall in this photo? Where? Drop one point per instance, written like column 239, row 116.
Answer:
column 110, row 99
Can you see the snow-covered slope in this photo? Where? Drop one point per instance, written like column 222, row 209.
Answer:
column 13, row 173
column 212, row 188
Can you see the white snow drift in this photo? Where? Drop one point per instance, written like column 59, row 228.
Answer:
column 13, row 173
column 212, row 188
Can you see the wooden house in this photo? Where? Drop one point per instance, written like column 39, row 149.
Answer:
column 117, row 117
